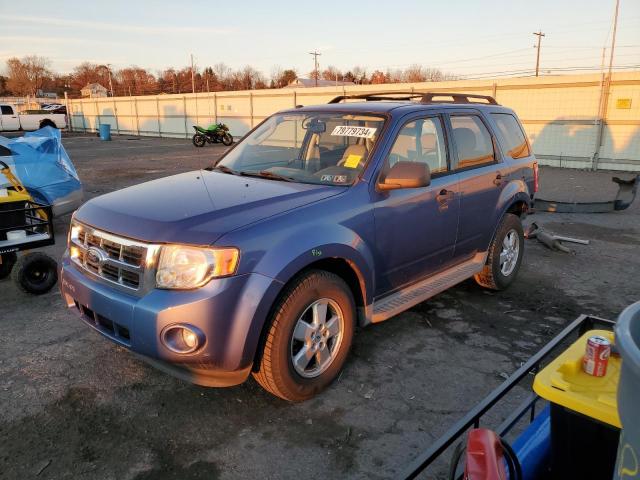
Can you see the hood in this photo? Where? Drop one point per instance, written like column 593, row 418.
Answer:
column 196, row 207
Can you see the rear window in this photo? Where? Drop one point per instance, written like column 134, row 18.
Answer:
column 6, row 110
column 473, row 141
column 512, row 135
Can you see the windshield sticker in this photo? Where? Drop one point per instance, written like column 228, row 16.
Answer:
column 334, row 178
column 352, row 161
column 359, row 132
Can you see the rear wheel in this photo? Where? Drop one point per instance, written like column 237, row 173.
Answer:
column 198, row 140
column 309, row 337
column 47, row 123
column 227, row 139
column 7, row 261
column 505, row 255
column 35, row 273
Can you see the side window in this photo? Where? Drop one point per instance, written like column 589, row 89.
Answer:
column 512, row 135
column 421, row 141
column 473, row 141
column 6, row 110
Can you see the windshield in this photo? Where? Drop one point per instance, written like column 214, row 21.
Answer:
column 323, row 148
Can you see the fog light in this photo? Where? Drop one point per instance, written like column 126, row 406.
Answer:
column 190, row 339
column 182, row 338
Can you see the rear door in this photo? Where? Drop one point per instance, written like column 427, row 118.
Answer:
column 10, row 120
column 480, row 171
column 416, row 227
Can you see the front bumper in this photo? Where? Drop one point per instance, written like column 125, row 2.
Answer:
column 229, row 311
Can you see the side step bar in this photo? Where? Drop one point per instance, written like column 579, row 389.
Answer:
column 402, row 300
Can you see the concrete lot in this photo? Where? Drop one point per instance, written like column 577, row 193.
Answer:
column 74, row 405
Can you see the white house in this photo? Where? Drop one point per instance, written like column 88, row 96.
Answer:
column 93, row 90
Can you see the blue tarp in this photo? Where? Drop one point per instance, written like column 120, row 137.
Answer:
column 41, row 163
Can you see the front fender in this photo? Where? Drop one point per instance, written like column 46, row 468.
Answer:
column 310, row 244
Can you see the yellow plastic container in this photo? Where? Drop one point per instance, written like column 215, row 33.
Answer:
column 13, row 196
column 563, row 382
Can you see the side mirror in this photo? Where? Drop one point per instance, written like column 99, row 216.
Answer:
column 406, row 175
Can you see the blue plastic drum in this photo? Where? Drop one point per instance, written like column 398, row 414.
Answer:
column 105, row 131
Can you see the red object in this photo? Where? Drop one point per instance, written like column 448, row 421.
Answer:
column 484, row 457
column 536, row 183
column 596, row 357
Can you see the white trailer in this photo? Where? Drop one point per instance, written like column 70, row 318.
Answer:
column 11, row 120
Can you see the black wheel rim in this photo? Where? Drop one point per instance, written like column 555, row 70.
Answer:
column 38, row 273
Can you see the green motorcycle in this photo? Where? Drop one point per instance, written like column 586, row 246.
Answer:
column 214, row 133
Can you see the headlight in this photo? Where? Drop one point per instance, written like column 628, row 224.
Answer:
column 183, row 267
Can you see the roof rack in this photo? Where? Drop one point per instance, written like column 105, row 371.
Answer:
column 374, row 97
column 428, row 97
column 457, row 98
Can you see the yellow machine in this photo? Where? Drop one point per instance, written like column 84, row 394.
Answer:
column 24, row 225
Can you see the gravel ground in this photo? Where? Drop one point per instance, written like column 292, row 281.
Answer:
column 74, row 405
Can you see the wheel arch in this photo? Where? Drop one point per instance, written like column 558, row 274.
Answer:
column 47, row 122
column 517, row 204
column 344, row 268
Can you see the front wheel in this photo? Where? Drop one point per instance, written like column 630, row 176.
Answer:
column 35, row 273
column 505, row 255
column 227, row 139
column 198, row 140
column 309, row 337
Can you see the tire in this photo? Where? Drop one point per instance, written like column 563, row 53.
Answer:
column 198, row 140
column 8, row 261
column 499, row 273
column 292, row 320
column 227, row 139
column 35, row 273
column 47, row 123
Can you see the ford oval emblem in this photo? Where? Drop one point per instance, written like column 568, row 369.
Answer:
column 96, row 256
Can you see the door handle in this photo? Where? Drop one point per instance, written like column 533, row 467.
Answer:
column 443, row 198
column 498, row 180
column 444, row 195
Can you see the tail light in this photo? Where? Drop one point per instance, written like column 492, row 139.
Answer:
column 535, row 177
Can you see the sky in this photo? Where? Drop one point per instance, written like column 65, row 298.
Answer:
column 468, row 38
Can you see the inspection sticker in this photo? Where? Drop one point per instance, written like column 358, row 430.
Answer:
column 352, row 161
column 359, row 132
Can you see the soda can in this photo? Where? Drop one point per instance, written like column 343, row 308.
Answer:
column 596, row 357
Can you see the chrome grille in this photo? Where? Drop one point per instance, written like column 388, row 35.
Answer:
column 115, row 259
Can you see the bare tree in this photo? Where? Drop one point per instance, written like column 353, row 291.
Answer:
column 281, row 78
column 331, row 73
column 27, row 75
column 378, row 77
column 360, row 75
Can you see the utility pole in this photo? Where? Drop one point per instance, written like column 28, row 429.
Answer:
column 110, row 84
column 315, row 63
column 193, row 78
column 539, row 35
column 613, row 37
column 605, row 90
column 107, row 67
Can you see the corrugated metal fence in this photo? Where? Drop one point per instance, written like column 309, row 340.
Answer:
column 578, row 121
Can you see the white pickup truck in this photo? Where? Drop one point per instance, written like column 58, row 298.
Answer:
column 11, row 120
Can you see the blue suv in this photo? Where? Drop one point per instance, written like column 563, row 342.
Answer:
column 321, row 219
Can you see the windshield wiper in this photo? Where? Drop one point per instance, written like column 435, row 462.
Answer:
column 267, row 174
column 225, row 169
